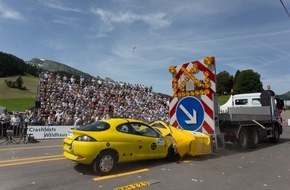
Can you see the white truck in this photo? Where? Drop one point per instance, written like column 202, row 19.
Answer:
column 242, row 100
column 247, row 122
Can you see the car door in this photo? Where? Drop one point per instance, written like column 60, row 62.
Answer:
column 126, row 143
column 149, row 143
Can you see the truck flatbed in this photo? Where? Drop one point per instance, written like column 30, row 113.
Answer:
column 238, row 114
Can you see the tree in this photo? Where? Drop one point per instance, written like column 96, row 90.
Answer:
column 224, row 83
column 19, row 82
column 236, row 76
column 11, row 65
column 16, row 84
column 247, row 81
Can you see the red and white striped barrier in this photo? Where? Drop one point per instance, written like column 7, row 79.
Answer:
column 205, row 89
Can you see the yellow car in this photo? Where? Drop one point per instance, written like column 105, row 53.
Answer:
column 110, row 141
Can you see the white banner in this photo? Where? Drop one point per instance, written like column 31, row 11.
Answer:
column 49, row 132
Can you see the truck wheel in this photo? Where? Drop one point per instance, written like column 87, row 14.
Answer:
column 254, row 138
column 276, row 135
column 104, row 163
column 243, row 139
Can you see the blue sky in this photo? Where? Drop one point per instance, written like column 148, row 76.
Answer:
column 99, row 36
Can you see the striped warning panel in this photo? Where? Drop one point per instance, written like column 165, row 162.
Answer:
column 181, row 75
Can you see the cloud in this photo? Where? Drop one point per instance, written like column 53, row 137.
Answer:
column 8, row 13
column 277, row 83
column 99, row 36
column 72, row 22
column 58, row 6
column 155, row 21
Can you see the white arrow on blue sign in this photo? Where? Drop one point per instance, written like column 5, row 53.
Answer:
column 190, row 113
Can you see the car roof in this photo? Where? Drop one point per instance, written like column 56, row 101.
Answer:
column 121, row 120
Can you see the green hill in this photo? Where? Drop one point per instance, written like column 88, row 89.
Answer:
column 15, row 99
column 29, row 82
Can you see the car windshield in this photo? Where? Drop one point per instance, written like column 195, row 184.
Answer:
column 145, row 130
column 159, row 125
column 96, row 126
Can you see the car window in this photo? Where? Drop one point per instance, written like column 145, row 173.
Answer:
column 144, row 130
column 124, row 128
column 159, row 125
column 96, row 126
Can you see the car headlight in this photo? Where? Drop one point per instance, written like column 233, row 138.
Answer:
column 85, row 138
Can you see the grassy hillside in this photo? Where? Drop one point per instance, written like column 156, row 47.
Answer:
column 17, row 104
column 223, row 99
column 15, row 99
column 29, row 82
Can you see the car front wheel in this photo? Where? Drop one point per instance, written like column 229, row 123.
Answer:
column 172, row 154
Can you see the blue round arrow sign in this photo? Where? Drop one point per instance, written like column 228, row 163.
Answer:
column 190, row 113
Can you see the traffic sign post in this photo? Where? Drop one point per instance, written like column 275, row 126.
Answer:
column 190, row 113
column 197, row 81
column 193, row 104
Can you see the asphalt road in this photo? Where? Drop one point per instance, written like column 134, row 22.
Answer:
column 40, row 166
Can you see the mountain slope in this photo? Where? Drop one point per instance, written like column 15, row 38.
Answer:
column 52, row 66
column 285, row 96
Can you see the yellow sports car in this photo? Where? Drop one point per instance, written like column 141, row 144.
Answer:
column 108, row 142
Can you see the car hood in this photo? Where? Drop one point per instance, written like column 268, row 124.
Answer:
column 187, row 142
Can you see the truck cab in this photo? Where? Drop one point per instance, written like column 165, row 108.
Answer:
column 242, row 100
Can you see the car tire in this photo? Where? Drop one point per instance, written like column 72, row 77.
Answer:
column 105, row 162
column 243, row 139
column 172, row 155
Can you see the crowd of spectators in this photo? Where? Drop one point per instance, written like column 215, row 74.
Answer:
column 15, row 121
column 70, row 101
column 76, row 101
